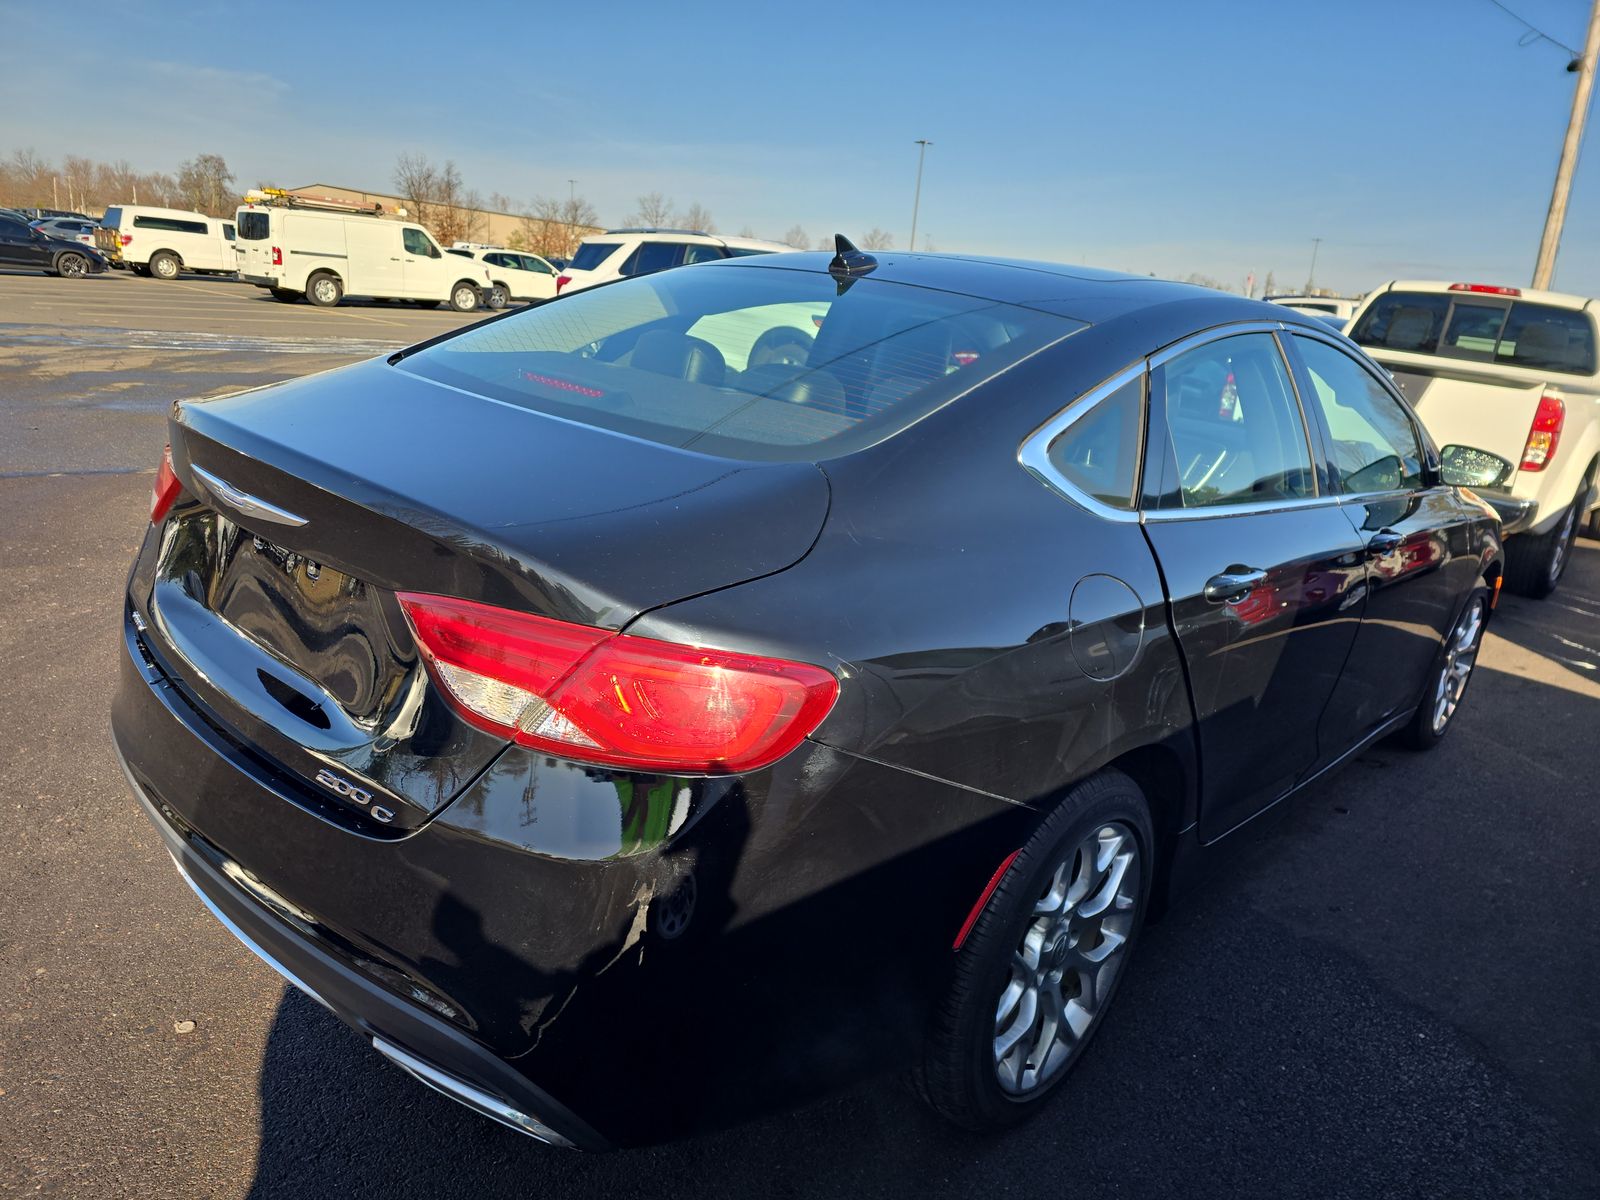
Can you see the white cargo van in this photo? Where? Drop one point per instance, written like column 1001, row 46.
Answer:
column 325, row 255
column 164, row 241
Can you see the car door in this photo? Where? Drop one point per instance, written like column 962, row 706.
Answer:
column 420, row 260
column 18, row 245
column 538, row 277
column 1263, row 571
column 1419, row 561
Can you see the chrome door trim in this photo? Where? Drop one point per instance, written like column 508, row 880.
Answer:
column 1034, row 453
column 1183, row 345
column 244, row 502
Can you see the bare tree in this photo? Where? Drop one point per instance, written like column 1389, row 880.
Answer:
column 416, row 179
column 927, row 245
column 653, row 211
column 877, row 239
column 747, row 232
column 554, row 227
column 206, row 185
column 1270, row 288
column 1206, row 281
column 796, row 237
column 698, row 217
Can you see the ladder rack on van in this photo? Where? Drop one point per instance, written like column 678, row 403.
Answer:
column 278, row 198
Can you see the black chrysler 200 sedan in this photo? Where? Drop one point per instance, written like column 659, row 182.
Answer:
column 678, row 699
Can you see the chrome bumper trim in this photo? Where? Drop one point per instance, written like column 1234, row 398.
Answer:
column 479, row 1101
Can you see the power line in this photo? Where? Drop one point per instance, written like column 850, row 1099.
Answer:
column 1534, row 33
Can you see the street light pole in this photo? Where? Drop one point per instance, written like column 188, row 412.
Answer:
column 1311, row 279
column 916, row 203
column 572, row 190
column 1545, row 268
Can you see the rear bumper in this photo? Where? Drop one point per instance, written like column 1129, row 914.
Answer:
column 425, row 1046
column 1516, row 515
column 265, row 281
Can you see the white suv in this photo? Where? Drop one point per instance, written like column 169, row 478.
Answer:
column 517, row 274
column 1514, row 372
column 620, row 253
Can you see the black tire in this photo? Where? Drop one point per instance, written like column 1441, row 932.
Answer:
column 465, row 297
column 142, row 269
column 71, row 265
column 426, row 303
column 164, row 265
column 958, row 1075
column 324, row 289
column 1535, row 564
column 1429, row 725
column 499, row 296
column 286, row 295
column 1591, row 527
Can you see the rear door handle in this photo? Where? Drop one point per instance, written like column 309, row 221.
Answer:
column 1234, row 585
column 1385, row 541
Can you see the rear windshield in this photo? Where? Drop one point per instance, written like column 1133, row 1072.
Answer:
column 112, row 219
column 746, row 362
column 591, row 254
column 255, row 226
column 1480, row 328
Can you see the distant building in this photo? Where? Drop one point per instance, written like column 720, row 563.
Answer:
column 484, row 225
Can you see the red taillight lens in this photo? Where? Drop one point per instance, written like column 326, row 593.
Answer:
column 166, row 489
column 1487, row 289
column 561, row 282
column 594, row 696
column 277, row 257
column 125, row 238
column 1545, row 434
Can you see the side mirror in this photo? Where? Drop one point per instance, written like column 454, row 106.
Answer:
column 1467, row 466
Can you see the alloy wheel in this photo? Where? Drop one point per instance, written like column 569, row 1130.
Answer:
column 74, row 266
column 1459, row 660
column 1558, row 553
column 1071, row 952
column 325, row 290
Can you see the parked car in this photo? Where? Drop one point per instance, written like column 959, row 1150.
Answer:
column 1513, row 371
column 627, row 743
column 623, row 253
column 68, row 229
column 517, row 274
column 164, row 242
column 47, row 214
column 324, row 255
column 1334, row 310
column 23, row 246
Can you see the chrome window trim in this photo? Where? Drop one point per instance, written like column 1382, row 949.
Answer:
column 1034, row 453
column 1236, row 510
column 1183, row 345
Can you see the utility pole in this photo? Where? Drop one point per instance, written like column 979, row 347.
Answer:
column 916, row 203
column 1316, row 244
column 1544, row 270
column 572, row 191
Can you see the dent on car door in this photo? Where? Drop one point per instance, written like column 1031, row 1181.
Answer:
column 1264, row 573
column 1418, row 538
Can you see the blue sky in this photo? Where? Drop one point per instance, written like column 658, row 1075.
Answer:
column 1414, row 136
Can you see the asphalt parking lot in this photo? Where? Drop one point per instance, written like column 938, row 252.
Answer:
column 1389, row 992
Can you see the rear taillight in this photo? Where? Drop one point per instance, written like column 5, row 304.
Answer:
column 166, row 489
column 1545, row 434
column 125, row 238
column 561, row 282
column 1487, row 289
column 277, row 257
column 595, row 696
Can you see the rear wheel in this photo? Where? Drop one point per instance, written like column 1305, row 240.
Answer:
column 286, row 295
column 464, row 297
column 1041, row 965
column 1448, row 683
column 141, row 269
column 164, row 265
column 1535, row 564
column 324, row 290
column 1591, row 527
column 72, row 266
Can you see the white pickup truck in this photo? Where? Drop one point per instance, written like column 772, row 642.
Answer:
column 1514, row 372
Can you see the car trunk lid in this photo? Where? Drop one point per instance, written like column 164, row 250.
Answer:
column 310, row 504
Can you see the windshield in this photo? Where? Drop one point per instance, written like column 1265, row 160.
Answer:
column 1480, row 328
column 746, row 362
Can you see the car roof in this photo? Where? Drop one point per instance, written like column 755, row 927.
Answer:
column 1086, row 294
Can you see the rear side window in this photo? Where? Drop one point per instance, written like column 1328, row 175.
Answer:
column 1237, row 433
column 1099, row 452
column 533, row 264
column 1480, row 328
column 1375, row 449
column 746, row 362
column 591, row 254
column 650, row 257
column 693, row 253
column 169, row 224
column 255, row 226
